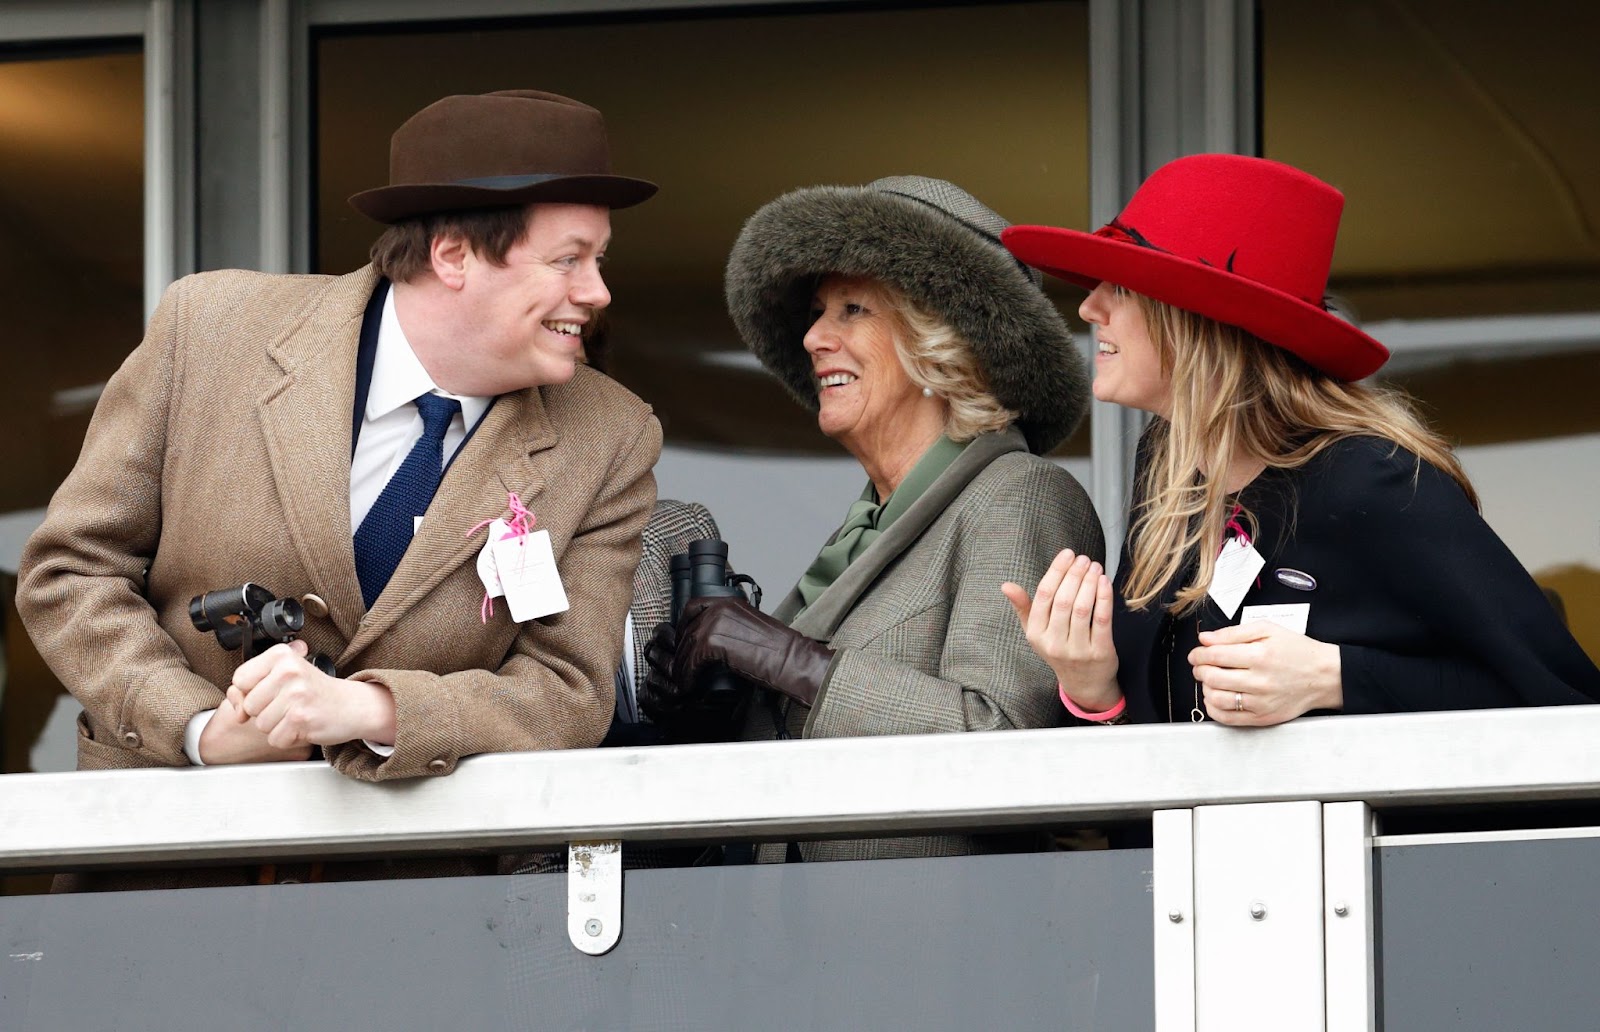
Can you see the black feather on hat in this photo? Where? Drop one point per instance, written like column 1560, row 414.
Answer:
column 941, row 247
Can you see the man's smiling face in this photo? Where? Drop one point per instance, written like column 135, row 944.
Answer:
column 521, row 322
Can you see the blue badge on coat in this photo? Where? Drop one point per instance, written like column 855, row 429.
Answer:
column 1295, row 579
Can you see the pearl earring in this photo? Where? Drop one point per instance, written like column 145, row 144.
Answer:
column 927, row 392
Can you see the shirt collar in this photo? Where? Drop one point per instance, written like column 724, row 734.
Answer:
column 398, row 376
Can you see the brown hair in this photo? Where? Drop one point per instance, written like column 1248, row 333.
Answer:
column 401, row 252
column 1235, row 395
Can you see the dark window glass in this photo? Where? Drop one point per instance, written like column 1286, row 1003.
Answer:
column 726, row 113
column 71, row 215
column 1462, row 133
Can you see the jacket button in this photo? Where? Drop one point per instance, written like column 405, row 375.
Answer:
column 131, row 739
column 438, row 766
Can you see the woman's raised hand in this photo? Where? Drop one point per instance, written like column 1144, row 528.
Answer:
column 1068, row 623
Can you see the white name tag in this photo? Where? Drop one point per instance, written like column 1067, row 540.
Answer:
column 486, row 568
column 1290, row 615
column 1237, row 568
column 527, row 570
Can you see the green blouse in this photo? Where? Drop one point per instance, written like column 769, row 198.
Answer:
column 868, row 518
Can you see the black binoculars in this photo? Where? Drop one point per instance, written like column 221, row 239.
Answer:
column 251, row 619
column 702, row 572
column 721, row 697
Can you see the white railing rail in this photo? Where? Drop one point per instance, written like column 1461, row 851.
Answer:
column 881, row 786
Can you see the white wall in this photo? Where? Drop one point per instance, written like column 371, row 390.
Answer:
column 1542, row 497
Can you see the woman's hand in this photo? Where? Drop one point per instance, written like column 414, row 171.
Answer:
column 660, row 698
column 1068, row 623
column 1273, row 673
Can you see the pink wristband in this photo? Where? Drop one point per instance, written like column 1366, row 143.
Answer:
column 1083, row 714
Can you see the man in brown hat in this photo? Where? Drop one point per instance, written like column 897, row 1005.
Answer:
column 352, row 437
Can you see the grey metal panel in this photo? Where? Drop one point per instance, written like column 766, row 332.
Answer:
column 1116, row 166
column 29, row 20
column 1348, row 917
column 1166, row 78
column 1050, row 940
column 368, row 12
column 229, row 103
column 1489, row 936
column 168, row 146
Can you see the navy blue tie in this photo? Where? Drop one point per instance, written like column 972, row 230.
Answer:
column 385, row 533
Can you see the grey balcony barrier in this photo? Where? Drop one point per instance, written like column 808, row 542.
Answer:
column 1263, row 904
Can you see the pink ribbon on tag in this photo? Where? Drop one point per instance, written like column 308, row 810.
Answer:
column 1239, row 533
column 521, row 522
column 519, row 525
column 1234, row 525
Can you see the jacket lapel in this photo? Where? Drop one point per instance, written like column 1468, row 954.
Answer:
column 305, row 417
column 508, row 452
column 824, row 616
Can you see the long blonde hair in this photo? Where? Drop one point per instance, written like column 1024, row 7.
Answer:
column 1234, row 395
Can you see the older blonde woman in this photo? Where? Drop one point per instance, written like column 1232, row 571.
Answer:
column 932, row 356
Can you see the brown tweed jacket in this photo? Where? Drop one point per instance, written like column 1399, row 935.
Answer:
column 926, row 643
column 220, row 453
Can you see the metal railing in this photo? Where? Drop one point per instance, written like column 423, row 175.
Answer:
column 832, row 788
column 1263, row 839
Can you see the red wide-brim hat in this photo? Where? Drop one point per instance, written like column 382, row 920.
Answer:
column 1241, row 240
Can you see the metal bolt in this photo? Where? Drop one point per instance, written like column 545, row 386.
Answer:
column 593, row 927
column 1175, row 916
column 1342, row 909
column 1258, row 911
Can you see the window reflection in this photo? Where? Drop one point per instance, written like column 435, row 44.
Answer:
column 726, row 113
column 71, row 211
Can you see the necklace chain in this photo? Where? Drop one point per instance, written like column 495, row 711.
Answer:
column 1197, row 714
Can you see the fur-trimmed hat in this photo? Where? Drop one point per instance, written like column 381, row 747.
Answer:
column 941, row 247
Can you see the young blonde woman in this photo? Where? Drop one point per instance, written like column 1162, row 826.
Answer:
column 1299, row 541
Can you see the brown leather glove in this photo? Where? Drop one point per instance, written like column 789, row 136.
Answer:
column 730, row 633
column 658, row 695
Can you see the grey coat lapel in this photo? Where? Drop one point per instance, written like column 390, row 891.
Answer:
column 825, row 615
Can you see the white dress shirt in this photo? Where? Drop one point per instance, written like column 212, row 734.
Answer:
column 632, row 701
column 390, row 426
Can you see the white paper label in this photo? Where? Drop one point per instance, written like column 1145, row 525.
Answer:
column 1236, row 572
column 486, row 568
column 527, row 569
column 1289, row 615
column 416, row 525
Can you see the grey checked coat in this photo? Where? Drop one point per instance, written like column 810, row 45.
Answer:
column 926, row 642
column 672, row 525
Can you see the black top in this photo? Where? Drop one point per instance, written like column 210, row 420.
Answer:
column 1429, row 608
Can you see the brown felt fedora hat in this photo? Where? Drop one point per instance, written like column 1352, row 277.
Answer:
column 492, row 150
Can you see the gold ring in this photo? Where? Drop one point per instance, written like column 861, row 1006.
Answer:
column 1238, row 702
